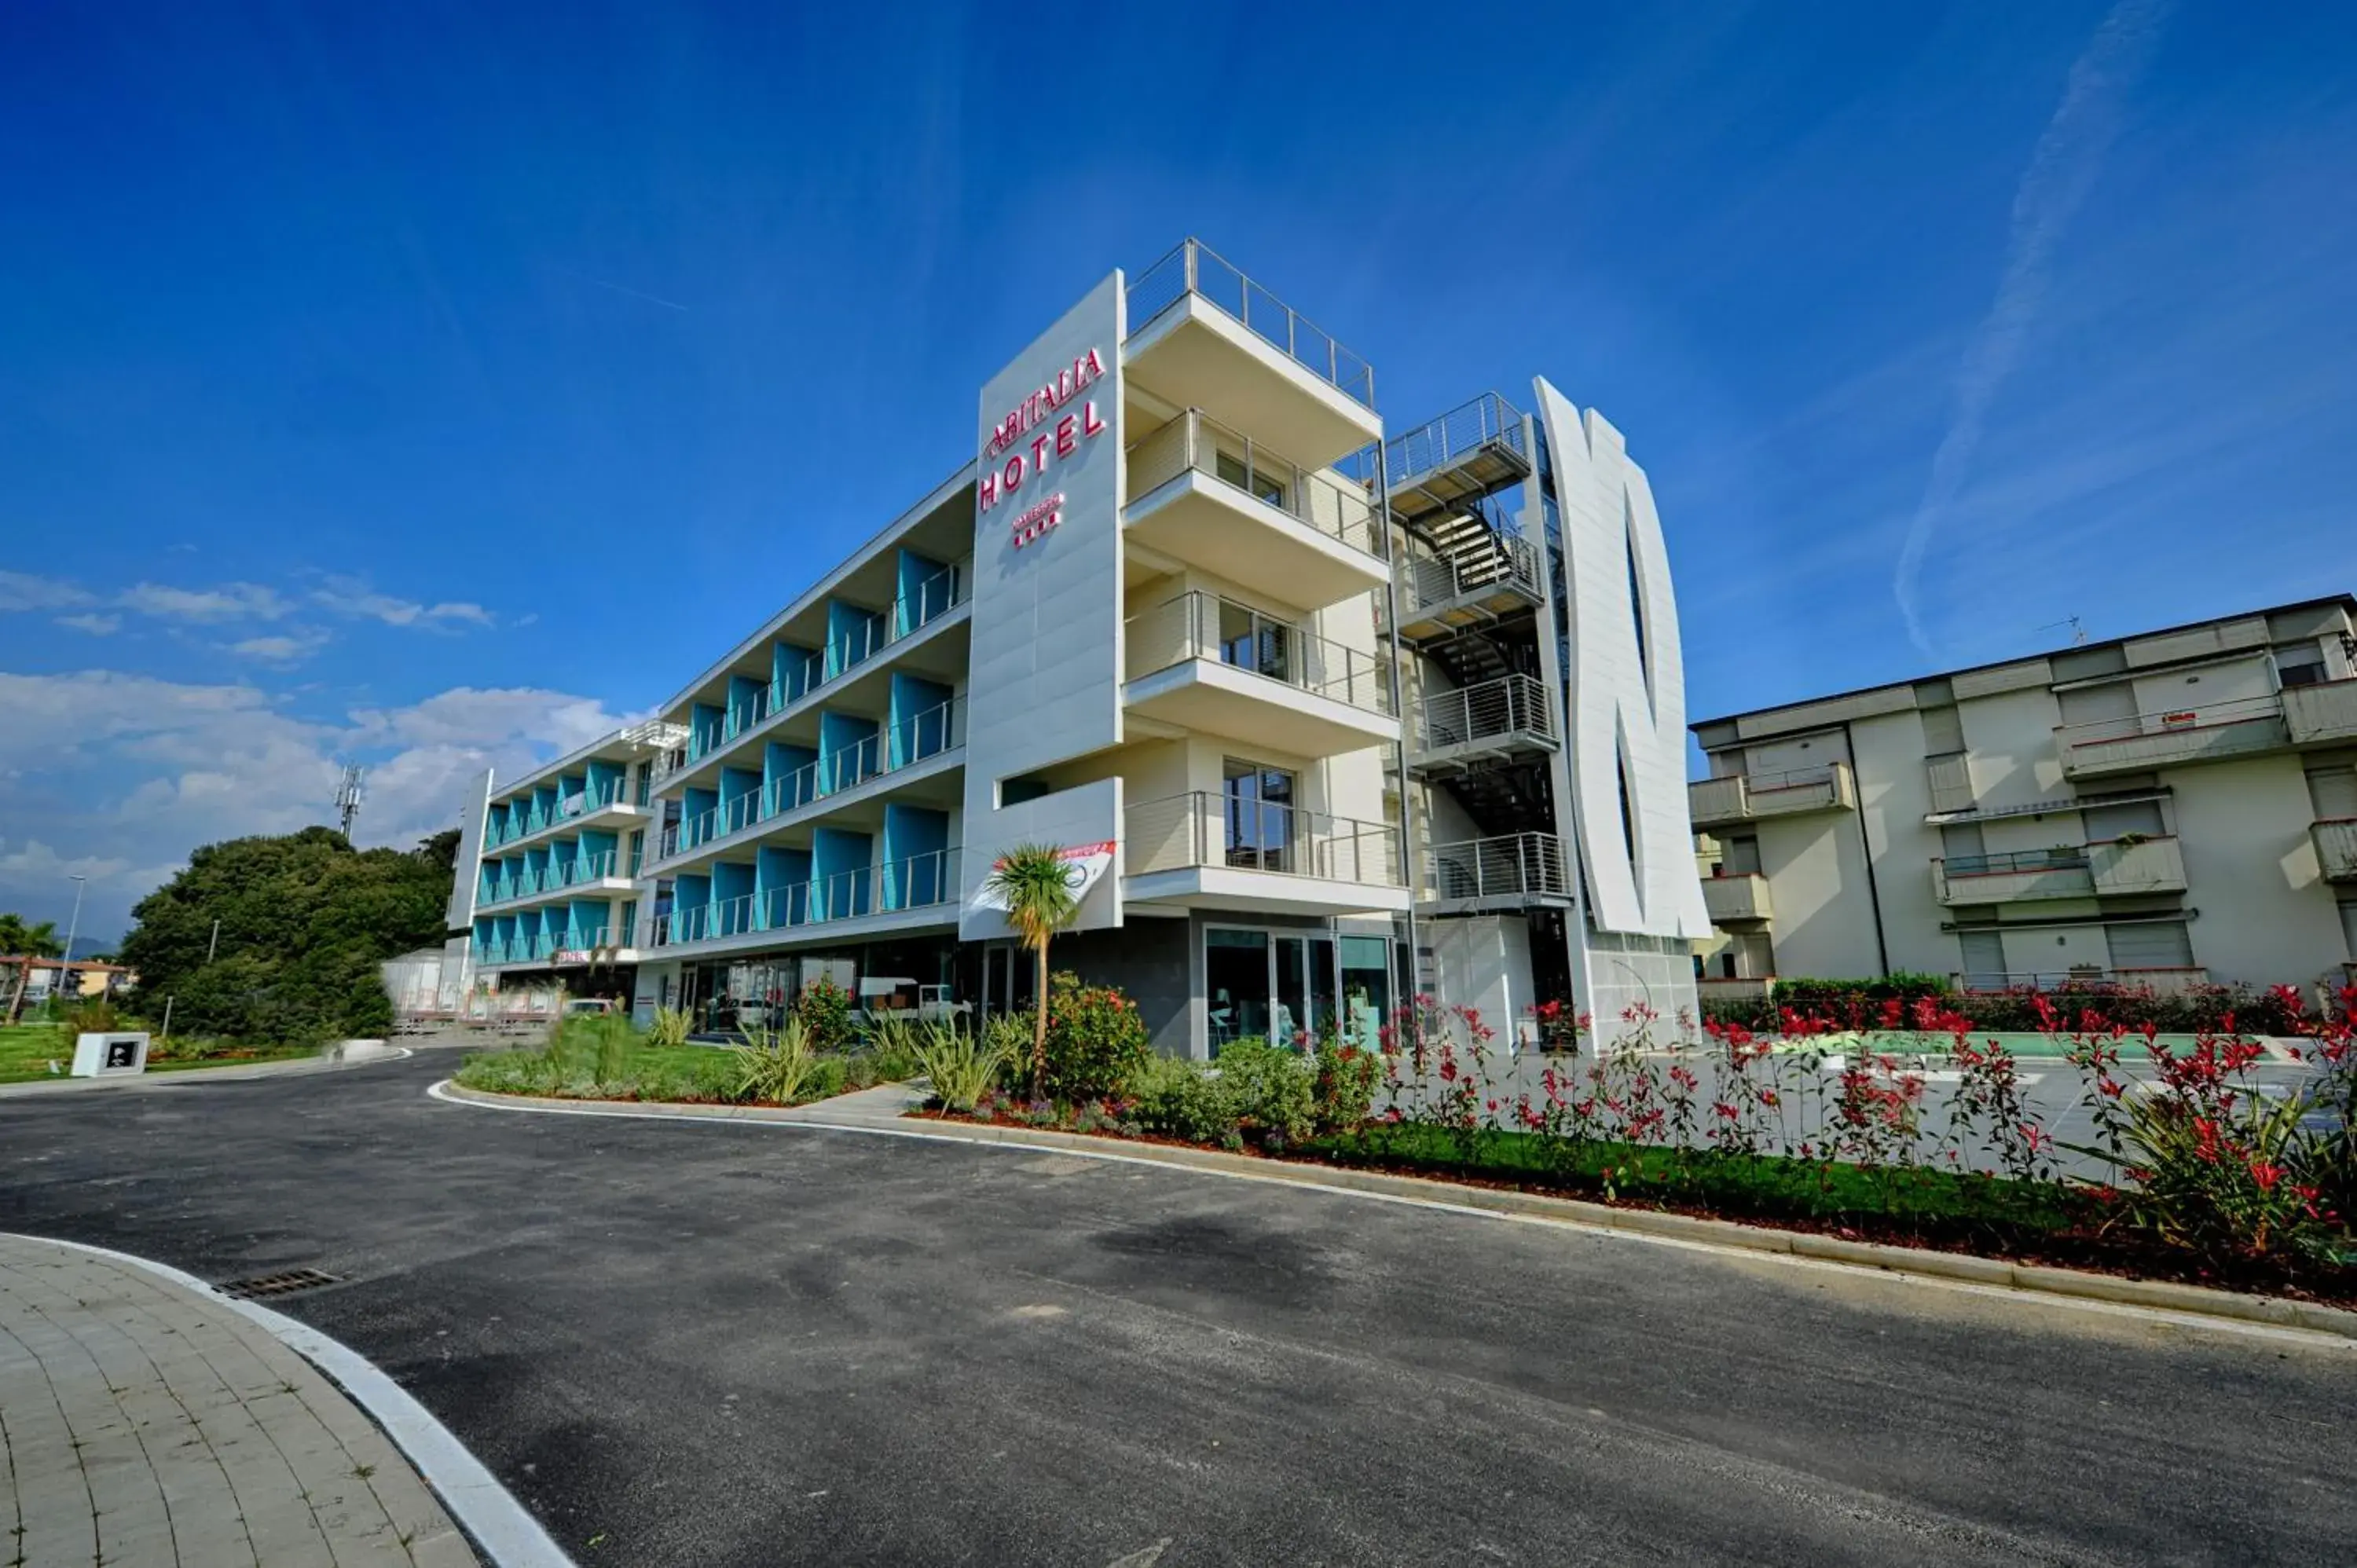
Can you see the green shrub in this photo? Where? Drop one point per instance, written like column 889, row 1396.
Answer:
column 1096, row 1041
column 961, row 1064
column 1270, row 1089
column 888, row 1054
column 824, row 1010
column 669, row 1030
column 778, row 1066
column 1345, row 1088
column 1180, row 1099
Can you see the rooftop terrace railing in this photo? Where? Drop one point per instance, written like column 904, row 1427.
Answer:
column 1195, row 268
column 1196, row 442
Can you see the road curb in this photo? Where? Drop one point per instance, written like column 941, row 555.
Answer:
column 2031, row 1278
column 228, row 1072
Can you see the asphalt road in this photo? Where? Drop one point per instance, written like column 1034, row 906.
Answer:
column 704, row 1343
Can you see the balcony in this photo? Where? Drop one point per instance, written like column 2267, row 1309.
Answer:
column 1750, row 797
column 1209, row 851
column 1488, row 576
column 2336, row 848
column 582, row 809
column 2141, row 742
column 1202, row 335
column 935, row 733
column 2322, row 714
column 1204, row 663
column 1510, row 871
column 920, row 890
column 1735, row 897
column 1490, row 722
column 601, row 871
column 818, row 674
column 1205, row 495
column 2113, row 867
column 555, row 949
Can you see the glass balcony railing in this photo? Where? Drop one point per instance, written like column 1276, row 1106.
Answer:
column 906, row 614
column 1315, row 497
column 545, row 947
column 1194, row 268
column 552, row 878
column 915, row 882
column 1204, row 626
column 889, row 749
column 501, row 828
column 1201, row 829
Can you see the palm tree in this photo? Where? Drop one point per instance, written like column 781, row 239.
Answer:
column 31, row 942
column 1031, row 880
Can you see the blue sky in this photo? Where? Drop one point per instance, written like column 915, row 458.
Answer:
column 432, row 385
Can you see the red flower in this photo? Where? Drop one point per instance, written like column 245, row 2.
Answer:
column 2266, row 1174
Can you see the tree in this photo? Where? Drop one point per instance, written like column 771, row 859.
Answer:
column 1032, row 880
column 29, row 941
column 306, row 920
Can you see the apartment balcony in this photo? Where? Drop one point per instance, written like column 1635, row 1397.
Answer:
column 2322, row 714
column 1217, row 851
column 1444, row 465
column 2336, row 848
column 1207, row 495
column 1510, row 871
column 1494, row 721
column 1202, row 335
column 2159, row 981
column 1746, row 798
column 920, row 890
column 2115, row 867
column 1737, row 898
column 923, row 745
column 2142, row 742
column 823, row 674
column 612, row 806
column 1204, row 663
column 555, row 949
column 600, row 873
column 1485, row 577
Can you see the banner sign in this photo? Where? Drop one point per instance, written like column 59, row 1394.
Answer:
column 1085, row 865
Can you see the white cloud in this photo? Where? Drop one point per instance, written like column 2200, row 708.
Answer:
column 350, row 596
column 24, row 591
column 124, row 774
column 94, row 624
column 281, row 649
column 229, row 602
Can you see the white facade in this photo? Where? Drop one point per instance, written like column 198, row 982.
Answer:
column 1157, row 616
column 2170, row 809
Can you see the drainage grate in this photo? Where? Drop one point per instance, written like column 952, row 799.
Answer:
column 283, row 1283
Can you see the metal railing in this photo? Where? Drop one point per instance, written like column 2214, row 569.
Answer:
column 553, row 877
column 1509, row 704
column 913, row 882
column 908, row 613
column 543, row 946
column 1511, row 865
column 892, row 747
column 1200, row 829
column 2226, row 728
column 1197, row 625
column 1501, row 561
column 1486, row 421
column 503, row 827
column 2060, row 858
column 1196, row 442
column 1194, row 268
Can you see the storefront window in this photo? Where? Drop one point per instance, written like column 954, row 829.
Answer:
column 1366, row 990
column 1235, row 983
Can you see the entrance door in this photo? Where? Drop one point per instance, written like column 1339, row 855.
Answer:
column 1010, row 979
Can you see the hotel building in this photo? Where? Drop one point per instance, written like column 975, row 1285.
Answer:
column 1295, row 700
column 2175, row 807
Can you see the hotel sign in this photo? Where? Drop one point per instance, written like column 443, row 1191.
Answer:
column 1010, row 462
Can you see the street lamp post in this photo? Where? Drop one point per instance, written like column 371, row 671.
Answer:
column 73, row 928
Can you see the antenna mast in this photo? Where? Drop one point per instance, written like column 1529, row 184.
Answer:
column 347, row 796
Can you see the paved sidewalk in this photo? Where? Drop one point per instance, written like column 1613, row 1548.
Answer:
column 142, row 1423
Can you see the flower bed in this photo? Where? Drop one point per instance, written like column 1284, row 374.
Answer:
column 604, row 1058
column 2192, row 1170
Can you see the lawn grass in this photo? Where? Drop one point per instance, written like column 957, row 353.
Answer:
column 26, row 1050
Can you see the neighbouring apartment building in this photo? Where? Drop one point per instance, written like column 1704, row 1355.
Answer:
column 1314, row 715
column 2178, row 806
